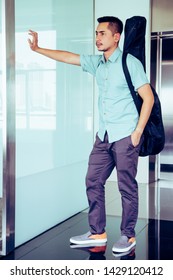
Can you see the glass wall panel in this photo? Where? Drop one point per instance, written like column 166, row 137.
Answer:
column 54, row 115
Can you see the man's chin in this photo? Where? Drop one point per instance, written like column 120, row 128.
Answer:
column 100, row 49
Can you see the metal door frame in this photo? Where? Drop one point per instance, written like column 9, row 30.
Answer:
column 8, row 127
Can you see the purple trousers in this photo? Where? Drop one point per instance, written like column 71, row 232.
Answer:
column 103, row 158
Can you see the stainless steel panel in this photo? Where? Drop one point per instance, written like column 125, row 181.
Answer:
column 167, row 98
column 161, row 78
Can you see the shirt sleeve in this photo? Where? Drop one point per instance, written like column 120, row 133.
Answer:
column 90, row 63
column 137, row 72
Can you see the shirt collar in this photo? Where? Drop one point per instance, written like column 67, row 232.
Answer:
column 113, row 56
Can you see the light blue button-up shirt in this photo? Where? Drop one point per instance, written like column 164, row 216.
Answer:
column 117, row 111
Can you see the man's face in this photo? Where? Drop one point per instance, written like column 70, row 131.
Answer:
column 105, row 40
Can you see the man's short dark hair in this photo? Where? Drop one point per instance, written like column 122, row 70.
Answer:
column 115, row 24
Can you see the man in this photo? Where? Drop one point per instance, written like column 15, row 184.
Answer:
column 120, row 130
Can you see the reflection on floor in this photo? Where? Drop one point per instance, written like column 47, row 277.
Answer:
column 154, row 230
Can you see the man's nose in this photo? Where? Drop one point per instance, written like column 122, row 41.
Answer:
column 97, row 36
column 98, row 39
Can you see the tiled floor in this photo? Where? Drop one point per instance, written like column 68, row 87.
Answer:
column 154, row 230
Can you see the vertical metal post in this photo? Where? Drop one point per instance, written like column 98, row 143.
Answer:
column 158, row 84
column 157, row 195
column 8, row 129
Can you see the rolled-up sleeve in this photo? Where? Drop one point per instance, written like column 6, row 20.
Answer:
column 90, row 63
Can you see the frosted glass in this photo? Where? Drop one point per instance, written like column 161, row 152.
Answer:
column 54, row 115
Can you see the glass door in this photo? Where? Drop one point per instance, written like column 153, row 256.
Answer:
column 54, row 115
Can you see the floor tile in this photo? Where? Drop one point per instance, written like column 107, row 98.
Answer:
column 154, row 230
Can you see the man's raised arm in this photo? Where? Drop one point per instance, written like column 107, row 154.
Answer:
column 62, row 56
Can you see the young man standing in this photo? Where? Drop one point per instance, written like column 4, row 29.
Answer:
column 119, row 137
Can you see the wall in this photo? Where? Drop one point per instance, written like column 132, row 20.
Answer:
column 116, row 8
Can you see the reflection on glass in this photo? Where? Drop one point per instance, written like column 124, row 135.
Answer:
column 35, row 86
column 54, row 114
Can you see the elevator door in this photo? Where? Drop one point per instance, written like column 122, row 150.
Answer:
column 161, row 78
column 166, row 157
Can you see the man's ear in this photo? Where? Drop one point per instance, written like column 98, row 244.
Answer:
column 117, row 37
